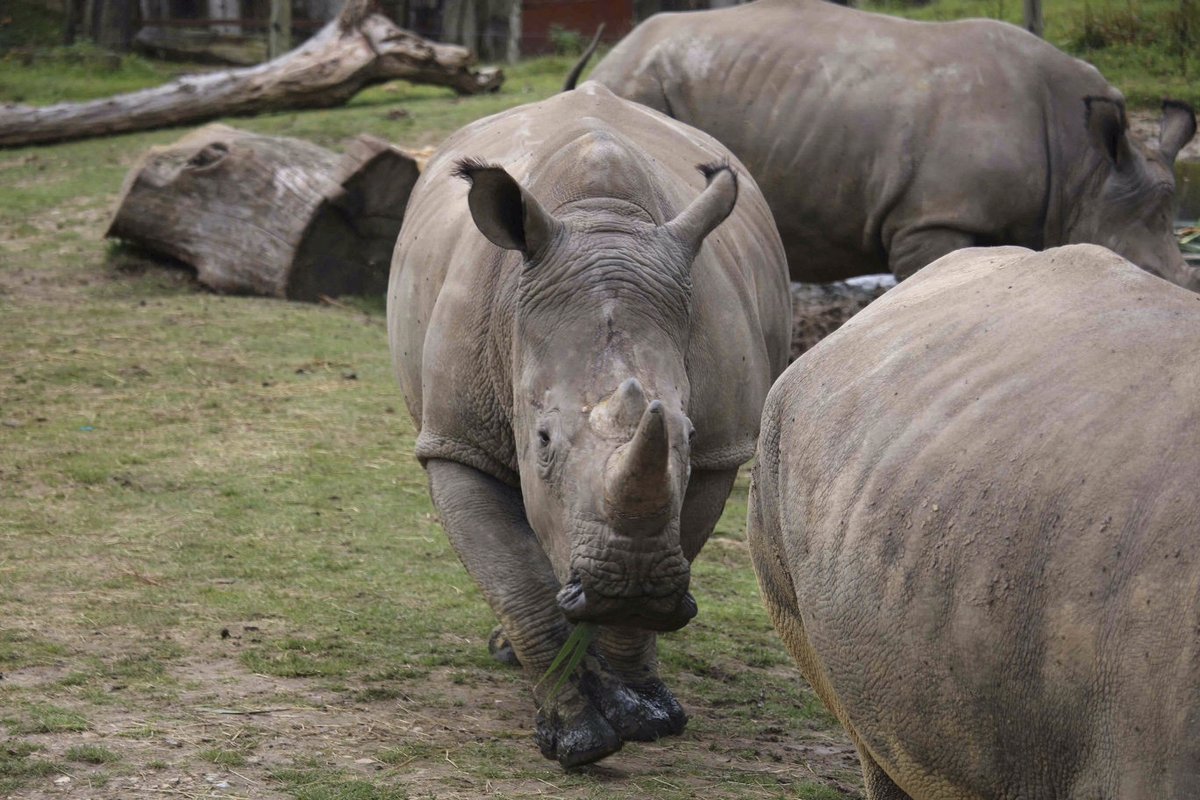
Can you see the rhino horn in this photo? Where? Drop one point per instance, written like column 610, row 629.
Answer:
column 629, row 403
column 637, row 481
column 708, row 210
column 1176, row 129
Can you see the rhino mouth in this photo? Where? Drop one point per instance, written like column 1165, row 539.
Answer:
column 667, row 613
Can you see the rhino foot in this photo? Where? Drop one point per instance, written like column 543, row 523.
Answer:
column 661, row 704
column 573, row 732
column 501, row 648
column 640, row 713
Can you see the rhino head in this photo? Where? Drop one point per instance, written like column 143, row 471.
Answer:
column 1129, row 205
column 600, row 392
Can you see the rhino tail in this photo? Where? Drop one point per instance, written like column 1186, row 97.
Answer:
column 577, row 70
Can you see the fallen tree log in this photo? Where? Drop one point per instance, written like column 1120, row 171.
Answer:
column 357, row 49
column 270, row 215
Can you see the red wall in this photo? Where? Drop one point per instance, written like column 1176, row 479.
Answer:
column 583, row 16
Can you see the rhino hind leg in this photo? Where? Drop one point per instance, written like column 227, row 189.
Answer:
column 912, row 249
column 501, row 648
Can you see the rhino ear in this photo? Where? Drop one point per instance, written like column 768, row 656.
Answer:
column 503, row 211
column 1176, row 129
column 1107, row 128
column 708, row 210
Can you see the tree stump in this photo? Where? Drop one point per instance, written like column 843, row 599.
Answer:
column 270, row 215
column 354, row 51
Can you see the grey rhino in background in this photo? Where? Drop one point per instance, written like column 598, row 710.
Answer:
column 882, row 144
column 585, row 327
column 974, row 520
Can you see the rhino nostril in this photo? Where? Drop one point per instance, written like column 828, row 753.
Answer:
column 687, row 607
column 571, row 598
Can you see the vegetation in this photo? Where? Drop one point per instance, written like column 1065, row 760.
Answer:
column 1149, row 49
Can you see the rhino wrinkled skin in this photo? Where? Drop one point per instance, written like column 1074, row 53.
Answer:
column 585, row 326
column 882, row 144
column 974, row 518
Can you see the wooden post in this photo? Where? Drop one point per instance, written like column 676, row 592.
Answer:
column 514, row 31
column 280, row 35
column 1034, row 23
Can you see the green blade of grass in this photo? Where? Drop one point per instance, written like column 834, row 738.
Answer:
column 569, row 656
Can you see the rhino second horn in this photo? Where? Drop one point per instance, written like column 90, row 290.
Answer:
column 637, row 481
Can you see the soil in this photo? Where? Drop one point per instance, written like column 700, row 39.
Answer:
column 291, row 719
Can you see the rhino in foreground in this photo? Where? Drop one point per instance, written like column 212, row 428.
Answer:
column 974, row 520
column 882, row 144
column 585, row 327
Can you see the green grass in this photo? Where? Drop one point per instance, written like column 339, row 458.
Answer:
column 318, row 782
column 40, row 717
column 1149, row 49
column 18, row 769
column 91, row 754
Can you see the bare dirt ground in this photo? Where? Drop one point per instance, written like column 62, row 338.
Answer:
column 278, row 721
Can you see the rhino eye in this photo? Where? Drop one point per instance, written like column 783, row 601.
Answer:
column 543, row 437
column 691, row 435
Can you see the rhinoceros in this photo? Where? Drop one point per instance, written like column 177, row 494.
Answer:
column 585, row 326
column 882, row 144
column 975, row 523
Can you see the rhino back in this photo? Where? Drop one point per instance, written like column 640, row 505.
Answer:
column 986, row 485
column 860, row 125
column 452, row 292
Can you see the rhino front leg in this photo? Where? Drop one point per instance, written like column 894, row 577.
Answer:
column 876, row 782
column 631, row 654
column 632, row 659
column 914, row 248
column 486, row 524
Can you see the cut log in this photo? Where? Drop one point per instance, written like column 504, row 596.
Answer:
column 819, row 309
column 270, row 215
column 357, row 49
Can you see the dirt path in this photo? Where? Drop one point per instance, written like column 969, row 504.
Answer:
column 267, row 725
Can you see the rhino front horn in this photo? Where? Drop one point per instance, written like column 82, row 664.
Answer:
column 637, row 480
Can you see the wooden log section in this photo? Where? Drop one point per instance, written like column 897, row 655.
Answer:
column 270, row 215
column 357, row 49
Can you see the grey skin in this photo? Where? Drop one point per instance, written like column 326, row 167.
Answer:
column 584, row 326
column 974, row 517
column 882, row 144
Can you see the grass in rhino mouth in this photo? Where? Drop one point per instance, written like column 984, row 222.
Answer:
column 569, row 657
